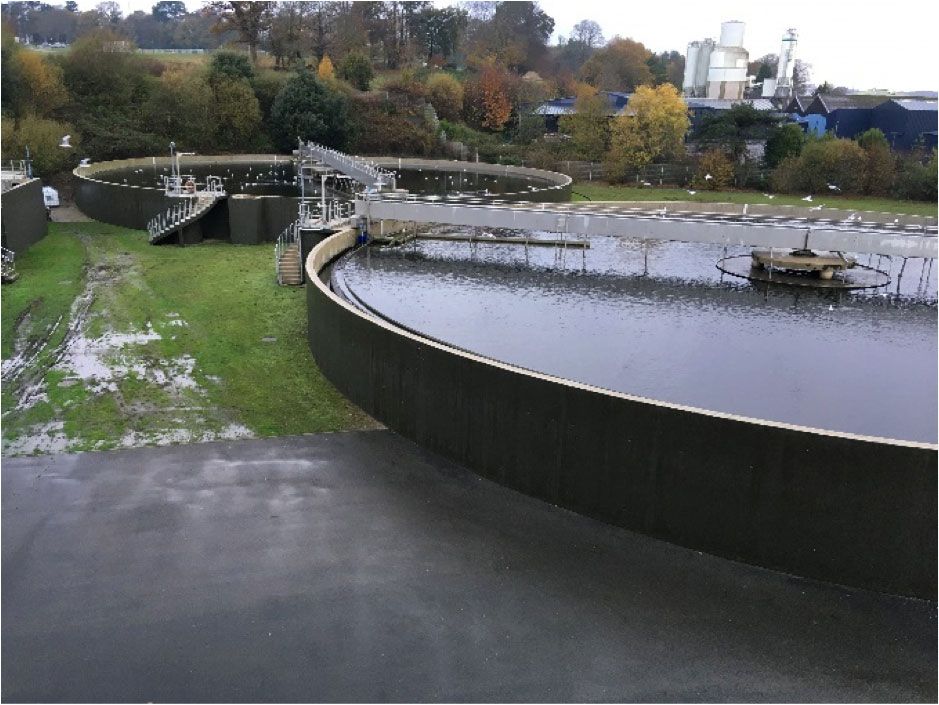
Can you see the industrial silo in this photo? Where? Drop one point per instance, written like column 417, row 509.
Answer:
column 787, row 63
column 727, row 71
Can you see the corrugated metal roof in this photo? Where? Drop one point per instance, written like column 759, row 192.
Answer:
column 552, row 109
column 565, row 106
column 723, row 104
column 916, row 104
column 836, row 102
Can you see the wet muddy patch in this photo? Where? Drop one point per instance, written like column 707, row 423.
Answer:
column 108, row 374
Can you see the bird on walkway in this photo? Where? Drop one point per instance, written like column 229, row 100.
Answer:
column 832, row 187
column 818, row 207
column 851, row 218
column 65, row 142
column 808, row 198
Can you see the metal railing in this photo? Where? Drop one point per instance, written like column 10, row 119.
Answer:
column 338, row 160
column 314, row 213
column 186, row 185
column 176, row 216
column 289, row 238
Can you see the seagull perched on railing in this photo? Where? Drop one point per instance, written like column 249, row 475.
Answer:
column 808, row 198
column 65, row 142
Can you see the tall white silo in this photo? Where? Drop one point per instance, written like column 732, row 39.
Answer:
column 787, row 62
column 727, row 72
column 732, row 33
column 691, row 63
column 702, row 66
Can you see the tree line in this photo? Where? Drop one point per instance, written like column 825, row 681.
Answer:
column 397, row 78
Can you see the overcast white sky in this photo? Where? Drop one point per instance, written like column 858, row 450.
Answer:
column 857, row 44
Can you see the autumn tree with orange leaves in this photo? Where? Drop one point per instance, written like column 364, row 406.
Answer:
column 488, row 99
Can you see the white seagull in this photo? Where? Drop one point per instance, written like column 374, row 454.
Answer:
column 770, row 195
column 832, row 187
column 808, row 198
column 708, row 177
column 818, row 207
column 692, row 192
column 646, row 183
column 65, row 142
column 84, row 162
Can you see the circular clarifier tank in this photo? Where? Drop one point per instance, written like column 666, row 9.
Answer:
column 660, row 320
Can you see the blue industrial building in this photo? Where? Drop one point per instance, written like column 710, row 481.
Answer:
column 907, row 122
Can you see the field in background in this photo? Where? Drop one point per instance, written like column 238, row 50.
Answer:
column 598, row 191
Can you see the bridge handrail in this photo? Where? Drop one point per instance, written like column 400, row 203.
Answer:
column 382, row 176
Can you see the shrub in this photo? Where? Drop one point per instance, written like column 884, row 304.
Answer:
column 309, row 109
column 382, row 129
column 42, row 136
column 916, row 180
column 784, row 141
column 719, row 166
column 824, row 161
column 446, row 95
column 357, row 70
column 231, row 65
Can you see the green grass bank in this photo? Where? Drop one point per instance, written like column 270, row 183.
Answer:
column 109, row 341
column 599, row 191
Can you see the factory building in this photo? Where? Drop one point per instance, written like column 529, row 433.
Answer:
column 719, row 71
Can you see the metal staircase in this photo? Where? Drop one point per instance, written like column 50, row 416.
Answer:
column 186, row 212
column 312, row 215
column 288, row 256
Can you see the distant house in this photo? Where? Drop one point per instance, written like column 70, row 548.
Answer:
column 907, row 122
column 553, row 110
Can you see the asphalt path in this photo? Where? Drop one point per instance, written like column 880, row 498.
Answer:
column 358, row 567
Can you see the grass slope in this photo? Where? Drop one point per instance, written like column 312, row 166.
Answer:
column 598, row 191
column 214, row 304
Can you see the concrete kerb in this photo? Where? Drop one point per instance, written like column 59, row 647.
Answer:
column 831, row 513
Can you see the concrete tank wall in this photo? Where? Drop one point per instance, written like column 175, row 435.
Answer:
column 848, row 509
column 259, row 218
column 24, row 220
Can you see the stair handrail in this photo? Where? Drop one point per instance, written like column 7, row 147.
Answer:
column 290, row 236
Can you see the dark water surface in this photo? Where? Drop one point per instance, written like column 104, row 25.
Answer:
column 862, row 362
column 279, row 179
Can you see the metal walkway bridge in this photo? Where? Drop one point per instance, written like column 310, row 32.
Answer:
column 687, row 222
column 753, row 226
column 365, row 172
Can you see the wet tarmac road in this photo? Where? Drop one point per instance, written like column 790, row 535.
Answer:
column 357, row 567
